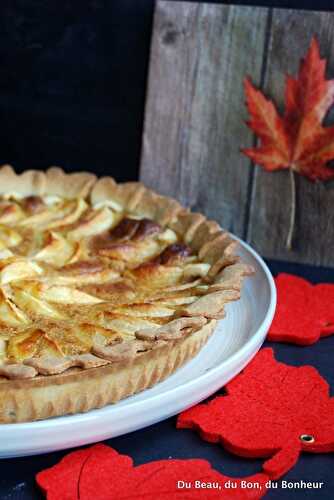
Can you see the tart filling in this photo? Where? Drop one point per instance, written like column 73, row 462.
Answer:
column 95, row 273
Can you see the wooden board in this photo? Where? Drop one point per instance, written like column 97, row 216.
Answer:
column 195, row 113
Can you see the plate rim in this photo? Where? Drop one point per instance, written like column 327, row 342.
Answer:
column 253, row 341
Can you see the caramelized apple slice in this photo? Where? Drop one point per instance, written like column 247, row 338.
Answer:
column 9, row 237
column 154, row 275
column 124, row 324
column 81, row 338
column 24, row 345
column 41, row 219
column 10, row 314
column 7, row 317
column 176, row 301
column 32, row 304
column 96, row 222
column 18, row 270
column 3, row 349
column 58, row 251
column 10, row 213
column 131, row 252
column 59, row 214
column 67, row 295
column 145, row 311
column 33, row 204
column 99, row 277
column 195, row 270
column 75, row 210
column 5, row 253
column 49, row 346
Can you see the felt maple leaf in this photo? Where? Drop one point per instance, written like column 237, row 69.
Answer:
column 101, row 473
column 296, row 140
column 304, row 312
column 271, row 410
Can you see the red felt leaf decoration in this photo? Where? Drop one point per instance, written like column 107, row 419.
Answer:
column 304, row 312
column 100, row 473
column 296, row 140
column 269, row 409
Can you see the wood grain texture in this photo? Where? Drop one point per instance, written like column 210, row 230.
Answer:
column 290, row 35
column 194, row 122
column 195, row 106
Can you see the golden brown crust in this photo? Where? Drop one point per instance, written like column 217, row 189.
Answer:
column 77, row 185
column 31, row 182
column 230, row 278
column 123, row 195
column 133, row 365
column 156, row 207
column 54, row 182
column 26, row 400
column 186, row 224
column 211, row 305
column 175, row 329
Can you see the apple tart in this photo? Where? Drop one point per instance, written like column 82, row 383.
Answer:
column 105, row 290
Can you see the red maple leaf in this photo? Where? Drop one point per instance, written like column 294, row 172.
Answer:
column 271, row 410
column 296, row 140
column 304, row 312
column 100, row 473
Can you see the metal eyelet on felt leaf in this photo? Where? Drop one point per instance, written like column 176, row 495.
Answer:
column 306, row 438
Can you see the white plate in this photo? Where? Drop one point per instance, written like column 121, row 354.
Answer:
column 235, row 341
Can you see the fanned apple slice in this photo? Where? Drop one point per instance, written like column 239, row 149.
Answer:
column 81, row 338
column 182, row 286
column 133, row 253
column 176, row 301
column 10, row 213
column 9, row 237
column 144, row 311
column 96, row 222
column 110, row 204
column 155, row 276
column 46, row 216
column 10, row 314
column 125, row 324
column 18, row 270
column 31, row 304
column 118, row 292
column 59, row 214
column 76, row 209
column 196, row 270
column 83, row 272
column 49, row 346
column 168, row 236
column 24, row 345
column 82, row 334
column 52, row 199
column 3, row 349
column 67, row 295
column 5, row 253
column 105, row 276
column 58, row 251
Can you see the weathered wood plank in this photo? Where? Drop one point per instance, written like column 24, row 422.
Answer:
column 195, row 106
column 290, row 36
column 194, row 121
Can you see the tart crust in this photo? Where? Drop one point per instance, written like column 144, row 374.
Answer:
column 32, row 390
column 77, row 391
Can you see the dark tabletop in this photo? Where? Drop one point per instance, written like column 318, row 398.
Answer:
column 162, row 440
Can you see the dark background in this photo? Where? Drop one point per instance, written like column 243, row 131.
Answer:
column 73, row 80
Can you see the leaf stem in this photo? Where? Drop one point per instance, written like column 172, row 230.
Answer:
column 292, row 210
